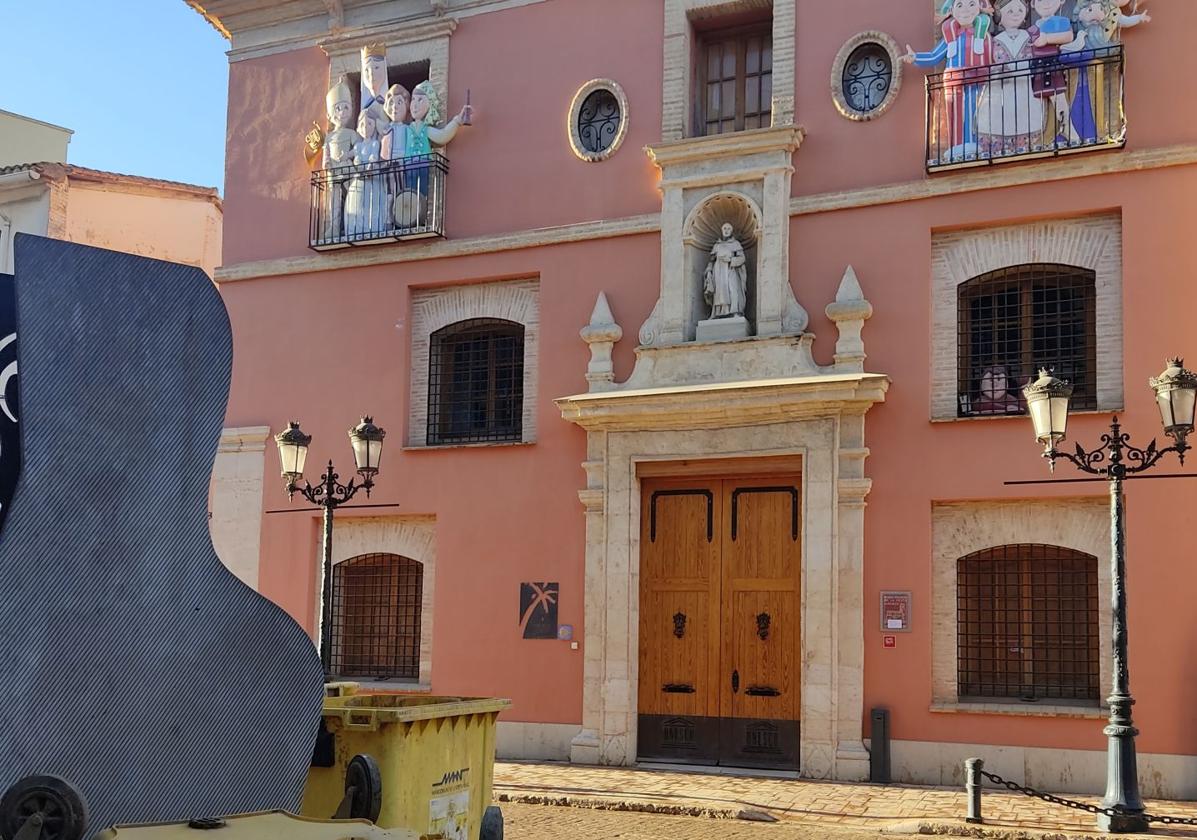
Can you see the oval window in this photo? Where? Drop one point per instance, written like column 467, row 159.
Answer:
column 868, row 76
column 598, row 121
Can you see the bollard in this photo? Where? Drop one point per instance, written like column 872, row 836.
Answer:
column 972, row 784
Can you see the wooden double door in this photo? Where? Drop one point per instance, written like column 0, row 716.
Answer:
column 720, row 653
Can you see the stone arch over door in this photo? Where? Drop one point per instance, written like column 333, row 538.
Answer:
column 412, row 537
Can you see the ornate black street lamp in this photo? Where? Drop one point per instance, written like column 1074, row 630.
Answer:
column 366, row 439
column 1047, row 402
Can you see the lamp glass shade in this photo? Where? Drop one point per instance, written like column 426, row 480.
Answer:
column 1047, row 403
column 292, row 451
column 366, row 439
column 1176, row 395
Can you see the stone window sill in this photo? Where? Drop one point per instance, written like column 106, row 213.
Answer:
column 391, row 686
column 1026, row 418
column 1020, row 710
column 481, row 445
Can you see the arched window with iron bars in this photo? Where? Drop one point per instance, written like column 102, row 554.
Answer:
column 1027, row 624
column 476, row 382
column 376, row 615
column 1016, row 319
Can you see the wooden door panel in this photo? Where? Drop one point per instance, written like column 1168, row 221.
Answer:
column 765, row 655
column 679, row 620
column 674, row 666
column 761, row 564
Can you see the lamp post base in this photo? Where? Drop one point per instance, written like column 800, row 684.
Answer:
column 1122, row 773
column 1122, row 824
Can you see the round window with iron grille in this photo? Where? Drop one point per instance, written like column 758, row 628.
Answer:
column 866, row 76
column 598, row 119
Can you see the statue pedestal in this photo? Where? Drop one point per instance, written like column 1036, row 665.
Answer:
column 722, row 329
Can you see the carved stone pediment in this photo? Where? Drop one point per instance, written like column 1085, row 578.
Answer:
column 741, row 179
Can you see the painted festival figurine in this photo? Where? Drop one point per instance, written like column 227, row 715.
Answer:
column 338, row 153
column 1009, row 117
column 965, row 48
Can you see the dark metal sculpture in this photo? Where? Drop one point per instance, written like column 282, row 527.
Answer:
column 137, row 669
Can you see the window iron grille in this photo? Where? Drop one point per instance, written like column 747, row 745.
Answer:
column 1027, row 624
column 376, row 613
column 1012, row 321
column 736, row 80
column 867, row 78
column 476, row 382
column 1024, row 106
column 387, row 201
column 599, row 121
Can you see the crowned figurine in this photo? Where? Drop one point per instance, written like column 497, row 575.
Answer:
column 374, row 85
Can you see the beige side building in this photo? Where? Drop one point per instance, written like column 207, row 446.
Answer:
column 146, row 216
column 42, row 194
column 24, row 139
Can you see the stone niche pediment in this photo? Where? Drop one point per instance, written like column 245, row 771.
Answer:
column 742, row 180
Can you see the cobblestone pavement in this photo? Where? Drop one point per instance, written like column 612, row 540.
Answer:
column 829, row 804
column 538, row 822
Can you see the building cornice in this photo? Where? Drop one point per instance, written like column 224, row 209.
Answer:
column 351, row 40
column 720, row 405
column 739, row 144
column 959, row 182
column 259, row 28
column 244, row 439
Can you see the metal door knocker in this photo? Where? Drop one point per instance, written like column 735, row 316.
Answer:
column 762, row 625
column 679, row 624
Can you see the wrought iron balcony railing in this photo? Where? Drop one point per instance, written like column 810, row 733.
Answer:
column 388, row 201
column 1033, row 107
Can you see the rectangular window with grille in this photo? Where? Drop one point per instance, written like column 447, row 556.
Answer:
column 1015, row 320
column 735, row 79
column 476, row 382
column 1027, row 625
column 376, row 613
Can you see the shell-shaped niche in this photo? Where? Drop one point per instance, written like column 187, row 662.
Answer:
column 704, row 227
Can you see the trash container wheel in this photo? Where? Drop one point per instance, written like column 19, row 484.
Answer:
column 492, row 824
column 365, row 779
column 62, row 808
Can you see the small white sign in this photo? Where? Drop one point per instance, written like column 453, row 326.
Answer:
column 893, row 624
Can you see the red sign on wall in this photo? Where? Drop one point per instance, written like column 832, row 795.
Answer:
column 890, row 641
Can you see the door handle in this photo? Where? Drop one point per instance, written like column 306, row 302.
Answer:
column 762, row 691
column 735, row 682
column 678, row 688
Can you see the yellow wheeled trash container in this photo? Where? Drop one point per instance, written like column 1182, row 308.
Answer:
column 407, row 761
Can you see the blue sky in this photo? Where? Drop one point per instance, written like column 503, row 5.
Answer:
column 143, row 83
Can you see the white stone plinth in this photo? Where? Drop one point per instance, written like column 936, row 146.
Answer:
column 722, row 329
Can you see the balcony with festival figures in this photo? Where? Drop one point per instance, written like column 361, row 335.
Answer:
column 383, row 170
column 1015, row 90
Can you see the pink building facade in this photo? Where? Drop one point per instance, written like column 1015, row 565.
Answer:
column 691, row 494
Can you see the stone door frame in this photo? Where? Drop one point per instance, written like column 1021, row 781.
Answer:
column 832, row 621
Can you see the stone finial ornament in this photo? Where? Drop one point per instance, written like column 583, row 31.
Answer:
column 849, row 311
column 601, row 334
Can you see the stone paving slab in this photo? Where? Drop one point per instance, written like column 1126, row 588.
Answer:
column 889, row 808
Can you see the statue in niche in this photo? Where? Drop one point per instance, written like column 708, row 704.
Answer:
column 366, row 199
column 725, row 281
column 338, row 154
column 374, row 85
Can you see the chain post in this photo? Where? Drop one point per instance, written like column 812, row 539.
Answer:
column 972, row 785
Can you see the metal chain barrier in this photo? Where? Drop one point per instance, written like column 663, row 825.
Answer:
column 1163, row 819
